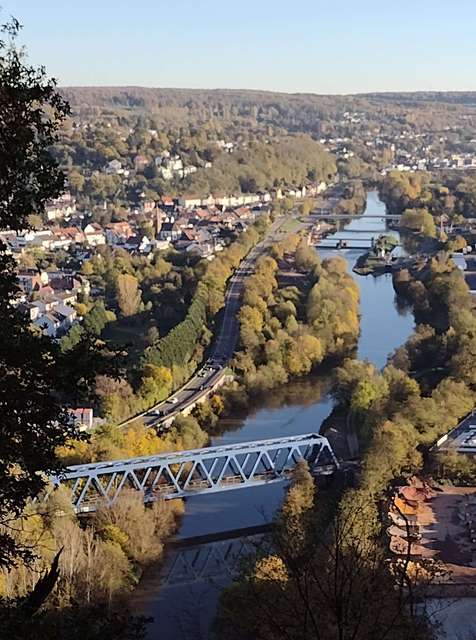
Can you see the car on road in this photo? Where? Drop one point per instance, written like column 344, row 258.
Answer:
column 157, row 412
column 173, row 400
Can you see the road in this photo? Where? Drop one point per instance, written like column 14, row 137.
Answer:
column 225, row 342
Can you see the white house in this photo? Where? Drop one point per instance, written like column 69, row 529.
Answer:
column 114, row 168
column 190, row 201
column 94, row 234
column 62, row 207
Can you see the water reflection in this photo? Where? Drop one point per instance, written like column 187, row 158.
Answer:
column 269, row 415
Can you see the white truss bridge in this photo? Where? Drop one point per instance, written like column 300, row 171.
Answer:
column 198, row 471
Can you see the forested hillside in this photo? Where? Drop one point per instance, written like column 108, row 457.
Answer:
column 294, row 112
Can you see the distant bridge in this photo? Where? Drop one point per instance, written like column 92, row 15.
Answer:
column 315, row 215
column 333, row 246
column 358, row 232
column 199, row 471
column 351, row 239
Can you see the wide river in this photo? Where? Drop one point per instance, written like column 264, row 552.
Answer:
column 186, row 610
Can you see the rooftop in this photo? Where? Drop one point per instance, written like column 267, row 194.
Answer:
column 462, row 438
column 441, row 527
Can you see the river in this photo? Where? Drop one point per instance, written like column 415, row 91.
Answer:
column 187, row 610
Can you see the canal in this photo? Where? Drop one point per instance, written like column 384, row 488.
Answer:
column 186, row 609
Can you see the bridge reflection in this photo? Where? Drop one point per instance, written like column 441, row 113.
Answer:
column 217, row 557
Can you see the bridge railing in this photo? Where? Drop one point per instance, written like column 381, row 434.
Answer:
column 198, row 471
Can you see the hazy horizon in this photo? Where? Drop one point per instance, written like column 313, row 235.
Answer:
column 345, row 48
column 247, row 89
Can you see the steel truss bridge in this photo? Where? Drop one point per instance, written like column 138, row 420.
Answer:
column 196, row 472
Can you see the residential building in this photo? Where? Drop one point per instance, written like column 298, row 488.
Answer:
column 190, row 201
column 118, row 232
column 62, row 207
column 94, row 234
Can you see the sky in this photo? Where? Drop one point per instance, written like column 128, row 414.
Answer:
column 312, row 46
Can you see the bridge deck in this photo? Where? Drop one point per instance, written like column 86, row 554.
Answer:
column 348, row 216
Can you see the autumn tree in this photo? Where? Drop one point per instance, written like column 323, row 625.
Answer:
column 306, row 207
column 156, row 383
column 128, row 294
column 306, row 256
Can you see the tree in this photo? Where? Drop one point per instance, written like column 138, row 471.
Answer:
column 306, row 257
column 319, row 576
column 76, row 181
column 288, row 203
column 96, row 318
column 306, row 207
column 33, row 374
column 156, row 383
column 35, row 221
column 128, row 294
column 419, row 220
column 33, row 424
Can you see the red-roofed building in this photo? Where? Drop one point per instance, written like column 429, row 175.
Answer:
column 167, row 201
column 118, row 232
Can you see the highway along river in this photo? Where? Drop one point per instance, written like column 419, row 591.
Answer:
column 182, row 595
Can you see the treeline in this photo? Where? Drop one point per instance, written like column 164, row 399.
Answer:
column 315, row 577
column 135, row 440
column 287, row 331
column 177, row 347
column 161, row 285
column 292, row 160
column 424, row 199
column 101, row 559
column 397, row 418
column 136, row 300
column 295, row 112
column 436, row 289
column 176, row 350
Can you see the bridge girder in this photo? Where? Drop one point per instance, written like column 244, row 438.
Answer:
column 195, row 472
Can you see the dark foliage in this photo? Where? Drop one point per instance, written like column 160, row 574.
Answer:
column 32, row 423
